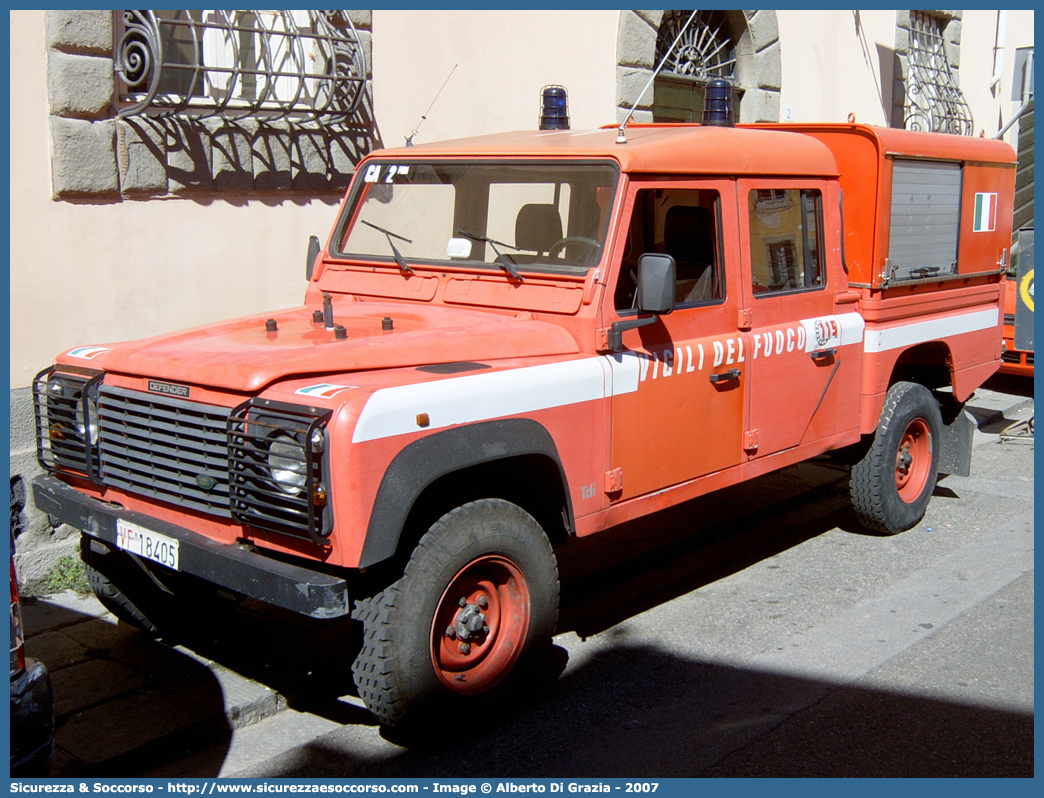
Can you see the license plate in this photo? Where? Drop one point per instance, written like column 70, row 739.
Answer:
column 148, row 544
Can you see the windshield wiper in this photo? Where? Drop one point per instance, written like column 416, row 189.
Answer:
column 503, row 261
column 398, row 257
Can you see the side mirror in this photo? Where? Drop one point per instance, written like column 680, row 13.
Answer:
column 314, row 248
column 655, row 295
column 656, row 284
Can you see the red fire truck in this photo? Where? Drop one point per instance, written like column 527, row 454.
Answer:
column 512, row 340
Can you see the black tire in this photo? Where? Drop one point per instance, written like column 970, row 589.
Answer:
column 487, row 551
column 892, row 484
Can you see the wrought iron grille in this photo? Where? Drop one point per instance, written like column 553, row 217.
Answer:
column 235, row 64
column 934, row 101
column 706, row 49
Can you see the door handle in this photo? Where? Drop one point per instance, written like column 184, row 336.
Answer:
column 725, row 376
column 823, row 354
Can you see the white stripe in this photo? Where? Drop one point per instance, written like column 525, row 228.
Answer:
column 848, row 327
column 922, row 331
column 480, row 397
column 624, row 368
column 852, row 326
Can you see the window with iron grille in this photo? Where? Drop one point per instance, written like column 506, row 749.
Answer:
column 706, row 50
column 782, row 260
column 933, row 100
column 234, row 64
column 181, row 103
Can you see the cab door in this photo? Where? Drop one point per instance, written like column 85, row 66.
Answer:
column 679, row 385
column 796, row 348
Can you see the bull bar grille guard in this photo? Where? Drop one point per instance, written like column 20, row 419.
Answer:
column 64, row 420
column 256, row 497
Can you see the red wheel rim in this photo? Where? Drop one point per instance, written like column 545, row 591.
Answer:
column 480, row 625
column 913, row 461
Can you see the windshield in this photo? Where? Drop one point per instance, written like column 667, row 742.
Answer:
column 511, row 217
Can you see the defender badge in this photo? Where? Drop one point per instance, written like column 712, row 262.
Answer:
column 169, row 388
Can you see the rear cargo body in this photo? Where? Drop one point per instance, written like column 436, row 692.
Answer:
column 927, row 221
column 512, row 340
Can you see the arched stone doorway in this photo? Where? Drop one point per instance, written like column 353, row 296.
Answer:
column 753, row 38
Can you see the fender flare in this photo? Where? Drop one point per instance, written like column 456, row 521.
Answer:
column 422, row 462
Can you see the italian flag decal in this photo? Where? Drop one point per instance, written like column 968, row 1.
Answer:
column 324, row 390
column 985, row 213
column 88, row 352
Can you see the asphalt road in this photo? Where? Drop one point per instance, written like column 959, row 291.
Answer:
column 754, row 632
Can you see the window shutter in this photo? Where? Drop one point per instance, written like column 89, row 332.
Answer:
column 926, row 214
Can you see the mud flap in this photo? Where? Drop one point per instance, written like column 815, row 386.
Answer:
column 956, row 450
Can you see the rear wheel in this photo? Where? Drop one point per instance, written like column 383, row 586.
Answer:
column 479, row 596
column 892, row 484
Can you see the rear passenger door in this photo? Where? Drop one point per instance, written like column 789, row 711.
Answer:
column 796, row 342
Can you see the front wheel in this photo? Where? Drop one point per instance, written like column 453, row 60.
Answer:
column 478, row 597
column 121, row 586
column 892, row 484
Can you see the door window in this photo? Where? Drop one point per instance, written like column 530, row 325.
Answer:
column 786, row 241
column 683, row 223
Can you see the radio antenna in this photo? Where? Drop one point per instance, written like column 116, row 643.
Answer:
column 409, row 138
column 621, row 137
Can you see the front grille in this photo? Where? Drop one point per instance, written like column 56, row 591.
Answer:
column 237, row 464
column 165, row 448
column 1010, row 357
column 1009, row 319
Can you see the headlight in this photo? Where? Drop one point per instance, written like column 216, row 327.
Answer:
column 88, row 428
column 68, row 426
column 278, row 457
column 286, row 460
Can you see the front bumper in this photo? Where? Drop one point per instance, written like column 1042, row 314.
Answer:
column 244, row 571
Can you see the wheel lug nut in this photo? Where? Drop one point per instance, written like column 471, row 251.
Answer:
column 485, row 629
column 483, row 602
column 462, row 602
column 451, row 632
column 465, row 648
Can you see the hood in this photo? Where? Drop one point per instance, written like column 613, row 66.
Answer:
column 242, row 355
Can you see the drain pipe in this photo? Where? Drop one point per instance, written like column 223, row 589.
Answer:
column 1027, row 96
column 998, row 50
